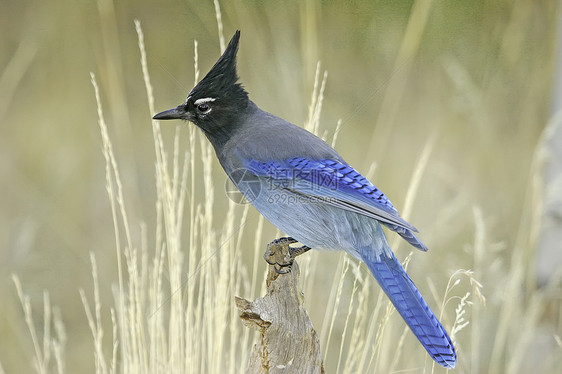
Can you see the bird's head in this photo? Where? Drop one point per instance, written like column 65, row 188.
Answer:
column 213, row 104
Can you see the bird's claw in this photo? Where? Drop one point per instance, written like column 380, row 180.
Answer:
column 280, row 259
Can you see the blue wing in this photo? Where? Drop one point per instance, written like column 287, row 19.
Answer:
column 406, row 298
column 338, row 184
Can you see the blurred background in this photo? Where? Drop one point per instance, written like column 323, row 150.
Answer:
column 471, row 80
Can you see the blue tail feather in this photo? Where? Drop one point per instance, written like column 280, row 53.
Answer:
column 412, row 307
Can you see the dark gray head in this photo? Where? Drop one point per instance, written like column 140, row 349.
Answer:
column 216, row 101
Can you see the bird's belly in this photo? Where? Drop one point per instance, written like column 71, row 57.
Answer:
column 319, row 225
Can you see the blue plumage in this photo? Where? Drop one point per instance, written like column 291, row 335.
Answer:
column 306, row 189
column 345, row 182
column 324, row 179
column 412, row 307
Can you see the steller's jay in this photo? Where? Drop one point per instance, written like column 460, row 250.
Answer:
column 305, row 188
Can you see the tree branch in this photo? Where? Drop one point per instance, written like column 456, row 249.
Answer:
column 288, row 342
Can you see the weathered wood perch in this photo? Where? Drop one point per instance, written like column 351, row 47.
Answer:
column 288, row 342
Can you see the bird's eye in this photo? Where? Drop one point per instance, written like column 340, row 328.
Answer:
column 203, row 108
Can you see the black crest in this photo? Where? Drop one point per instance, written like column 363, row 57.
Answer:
column 222, row 79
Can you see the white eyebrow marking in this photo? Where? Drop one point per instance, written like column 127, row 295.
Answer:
column 204, row 100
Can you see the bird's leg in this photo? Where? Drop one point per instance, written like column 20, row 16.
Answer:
column 280, row 254
column 297, row 251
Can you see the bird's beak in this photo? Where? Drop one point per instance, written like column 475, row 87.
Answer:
column 174, row 113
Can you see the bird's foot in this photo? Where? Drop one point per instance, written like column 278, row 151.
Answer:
column 281, row 255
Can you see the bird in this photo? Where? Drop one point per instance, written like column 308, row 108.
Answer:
column 302, row 186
